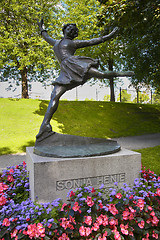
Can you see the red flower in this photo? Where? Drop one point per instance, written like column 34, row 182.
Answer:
column 10, row 178
column 93, row 190
column 72, row 194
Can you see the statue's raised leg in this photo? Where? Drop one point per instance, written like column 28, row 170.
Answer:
column 93, row 72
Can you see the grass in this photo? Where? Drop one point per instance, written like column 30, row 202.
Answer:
column 20, row 120
column 151, row 158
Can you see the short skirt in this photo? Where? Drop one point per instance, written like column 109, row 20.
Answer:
column 74, row 70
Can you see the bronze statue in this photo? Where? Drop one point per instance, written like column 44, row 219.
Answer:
column 75, row 70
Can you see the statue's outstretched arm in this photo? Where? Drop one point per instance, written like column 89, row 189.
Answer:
column 95, row 41
column 44, row 33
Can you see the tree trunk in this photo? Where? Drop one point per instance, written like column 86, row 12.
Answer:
column 24, row 83
column 111, row 82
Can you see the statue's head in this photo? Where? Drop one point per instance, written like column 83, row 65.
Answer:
column 70, row 30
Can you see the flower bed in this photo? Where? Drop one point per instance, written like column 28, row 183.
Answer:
column 127, row 213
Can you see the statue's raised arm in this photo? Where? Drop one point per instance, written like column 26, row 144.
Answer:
column 45, row 34
column 96, row 41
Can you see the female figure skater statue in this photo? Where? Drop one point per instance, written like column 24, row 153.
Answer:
column 74, row 70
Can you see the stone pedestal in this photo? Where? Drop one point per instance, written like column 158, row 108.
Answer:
column 52, row 178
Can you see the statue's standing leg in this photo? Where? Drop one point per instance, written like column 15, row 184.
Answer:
column 93, row 72
column 57, row 92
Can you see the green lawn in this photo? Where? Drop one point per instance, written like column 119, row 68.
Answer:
column 151, row 158
column 20, row 120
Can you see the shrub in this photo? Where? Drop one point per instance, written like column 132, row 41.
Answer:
column 127, row 213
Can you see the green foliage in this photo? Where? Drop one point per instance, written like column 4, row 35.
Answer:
column 106, row 98
column 156, row 97
column 22, row 50
column 142, row 98
column 139, row 32
column 20, row 120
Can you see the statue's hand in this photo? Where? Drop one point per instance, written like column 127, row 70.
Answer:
column 40, row 24
column 115, row 30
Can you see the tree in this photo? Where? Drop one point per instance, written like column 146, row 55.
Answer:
column 140, row 27
column 24, row 55
column 142, row 98
column 156, row 97
column 125, row 97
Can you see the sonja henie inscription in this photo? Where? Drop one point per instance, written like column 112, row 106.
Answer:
column 96, row 182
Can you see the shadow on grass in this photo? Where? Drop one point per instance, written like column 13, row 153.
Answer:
column 5, row 150
column 103, row 119
column 42, row 108
column 14, row 99
column 28, row 144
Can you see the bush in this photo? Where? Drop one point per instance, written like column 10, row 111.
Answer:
column 127, row 213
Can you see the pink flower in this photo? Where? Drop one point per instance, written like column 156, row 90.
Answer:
column 3, row 201
column 147, row 237
column 105, row 220
column 126, row 214
column 41, row 230
column 11, row 171
column 117, row 236
column 35, row 231
column 95, row 227
column 141, row 224
column 99, row 220
column 63, row 206
column 88, row 231
column 113, row 209
column 158, row 192
column 85, row 231
column 64, row 237
column 76, row 207
column 102, row 238
column 155, row 235
column 152, row 213
column 140, row 204
column 6, row 222
column 155, row 221
column 89, row 201
column 88, row 220
column 124, row 229
column 14, row 233
column 113, row 222
column 82, row 231
column 118, row 195
column 150, row 208
column 3, row 187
